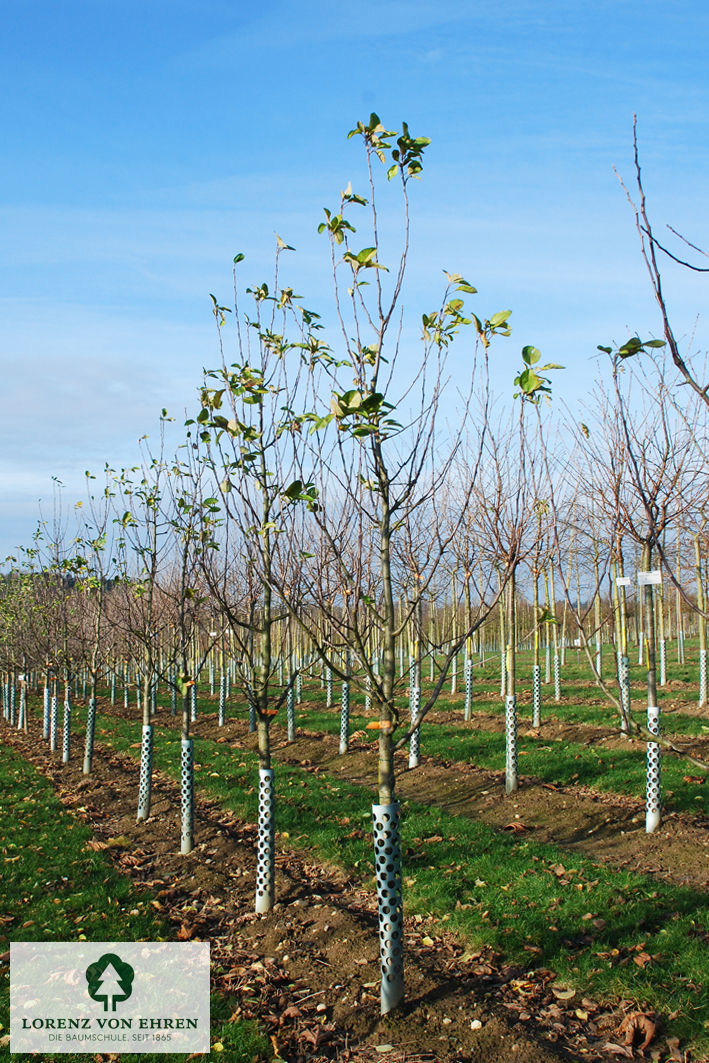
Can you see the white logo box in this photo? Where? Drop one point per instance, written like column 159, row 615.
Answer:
column 109, row 996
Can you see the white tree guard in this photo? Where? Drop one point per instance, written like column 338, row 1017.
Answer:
column 222, row 699
column 557, row 678
column 537, row 696
column 22, row 714
column 252, row 708
column 66, row 734
column 624, row 685
column 511, row 779
column 345, row 718
column 653, row 805
column 193, row 703
column 53, row 723
column 702, row 677
column 265, row 857
column 415, row 740
column 46, row 701
column 145, row 780
column 328, row 688
column 113, row 687
column 387, row 862
column 290, row 712
column 641, row 647
column 468, row 707
column 90, row 732
column 663, row 663
column 186, row 796
column 454, row 674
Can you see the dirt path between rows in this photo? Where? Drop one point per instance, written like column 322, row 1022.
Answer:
column 309, row 970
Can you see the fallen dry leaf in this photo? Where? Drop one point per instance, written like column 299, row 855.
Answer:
column 638, row 1028
column 618, row 1050
column 563, row 994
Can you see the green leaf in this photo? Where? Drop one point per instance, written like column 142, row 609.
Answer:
column 531, row 355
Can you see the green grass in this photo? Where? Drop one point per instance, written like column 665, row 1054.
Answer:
column 67, row 892
column 588, row 923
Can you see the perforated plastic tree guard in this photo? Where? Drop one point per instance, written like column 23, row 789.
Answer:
column 328, row 688
column 557, row 678
column 653, row 805
column 415, row 740
column 22, row 714
column 624, row 684
column 46, row 700
column 468, row 710
column 663, row 663
column 290, row 713
column 90, row 731
column 113, row 688
column 193, row 703
column 702, row 677
column 66, row 734
column 186, row 795
column 146, row 772
column 53, row 723
column 265, row 862
column 537, row 696
column 511, row 781
column 387, row 862
column 345, row 718
column 454, row 674
column 222, row 699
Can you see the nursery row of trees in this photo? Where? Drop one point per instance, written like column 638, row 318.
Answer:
column 344, row 502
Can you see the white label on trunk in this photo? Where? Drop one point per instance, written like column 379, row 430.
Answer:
column 645, row 579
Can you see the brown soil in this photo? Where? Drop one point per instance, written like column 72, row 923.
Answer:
column 309, row 970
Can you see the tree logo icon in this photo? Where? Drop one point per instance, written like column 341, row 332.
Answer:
column 110, row 980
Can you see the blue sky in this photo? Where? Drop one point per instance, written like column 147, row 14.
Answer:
column 146, row 143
